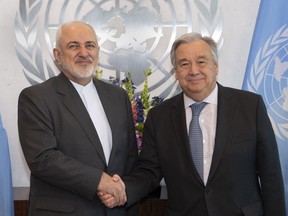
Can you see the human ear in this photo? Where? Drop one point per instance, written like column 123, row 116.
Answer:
column 176, row 74
column 57, row 56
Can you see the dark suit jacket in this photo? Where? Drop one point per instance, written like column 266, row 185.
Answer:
column 63, row 150
column 245, row 150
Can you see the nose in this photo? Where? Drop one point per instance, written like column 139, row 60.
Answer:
column 194, row 69
column 83, row 51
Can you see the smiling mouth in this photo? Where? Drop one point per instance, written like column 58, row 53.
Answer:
column 83, row 60
column 84, row 63
column 193, row 79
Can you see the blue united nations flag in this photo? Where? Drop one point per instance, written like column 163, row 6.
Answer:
column 6, row 194
column 267, row 71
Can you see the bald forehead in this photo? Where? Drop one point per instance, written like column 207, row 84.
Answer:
column 77, row 26
column 75, row 31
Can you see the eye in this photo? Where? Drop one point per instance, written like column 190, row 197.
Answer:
column 90, row 45
column 185, row 65
column 73, row 46
column 202, row 61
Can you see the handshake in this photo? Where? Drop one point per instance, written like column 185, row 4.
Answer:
column 111, row 191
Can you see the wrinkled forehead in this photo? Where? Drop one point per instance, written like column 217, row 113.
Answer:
column 195, row 48
column 78, row 32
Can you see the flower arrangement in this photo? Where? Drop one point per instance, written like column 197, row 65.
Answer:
column 141, row 104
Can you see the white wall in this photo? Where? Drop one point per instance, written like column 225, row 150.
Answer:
column 239, row 20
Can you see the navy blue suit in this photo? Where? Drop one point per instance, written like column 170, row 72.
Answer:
column 245, row 152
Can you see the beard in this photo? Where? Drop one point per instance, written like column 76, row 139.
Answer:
column 79, row 73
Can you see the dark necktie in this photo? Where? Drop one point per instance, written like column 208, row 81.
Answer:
column 196, row 137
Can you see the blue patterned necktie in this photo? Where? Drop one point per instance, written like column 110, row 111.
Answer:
column 196, row 137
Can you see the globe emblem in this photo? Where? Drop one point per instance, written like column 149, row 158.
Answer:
column 128, row 37
column 133, row 36
column 276, row 84
column 268, row 76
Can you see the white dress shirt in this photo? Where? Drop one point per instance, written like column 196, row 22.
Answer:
column 207, row 121
column 97, row 114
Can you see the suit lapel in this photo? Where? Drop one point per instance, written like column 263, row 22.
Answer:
column 224, row 117
column 74, row 103
column 180, row 129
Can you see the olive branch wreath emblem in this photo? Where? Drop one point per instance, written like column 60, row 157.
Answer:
column 36, row 69
column 211, row 21
column 257, row 70
column 28, row 47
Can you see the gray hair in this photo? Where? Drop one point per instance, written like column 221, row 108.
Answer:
column 60, row 30
column 191, row 37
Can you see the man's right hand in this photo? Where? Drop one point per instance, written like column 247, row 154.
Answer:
column 111, row 191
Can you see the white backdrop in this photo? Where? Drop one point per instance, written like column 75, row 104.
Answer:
column 239, row 20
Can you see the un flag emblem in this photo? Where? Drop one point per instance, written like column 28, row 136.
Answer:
column 269, row 75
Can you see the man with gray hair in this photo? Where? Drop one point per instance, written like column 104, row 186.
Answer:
column 214, row 145
column 76, row 131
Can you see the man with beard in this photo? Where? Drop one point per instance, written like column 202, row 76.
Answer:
column 76, row 131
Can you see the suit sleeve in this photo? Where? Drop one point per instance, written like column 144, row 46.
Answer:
column 132, row 144
column 147, row 174
column 269, row 165
column 46, row 161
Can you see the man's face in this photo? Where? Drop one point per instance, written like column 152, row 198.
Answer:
column 195, row 69
column 78, row 53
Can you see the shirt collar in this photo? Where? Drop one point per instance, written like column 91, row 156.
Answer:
column 211, row 99
column 83, row 89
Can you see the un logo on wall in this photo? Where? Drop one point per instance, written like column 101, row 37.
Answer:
column 133, row 35
column 268, row 74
